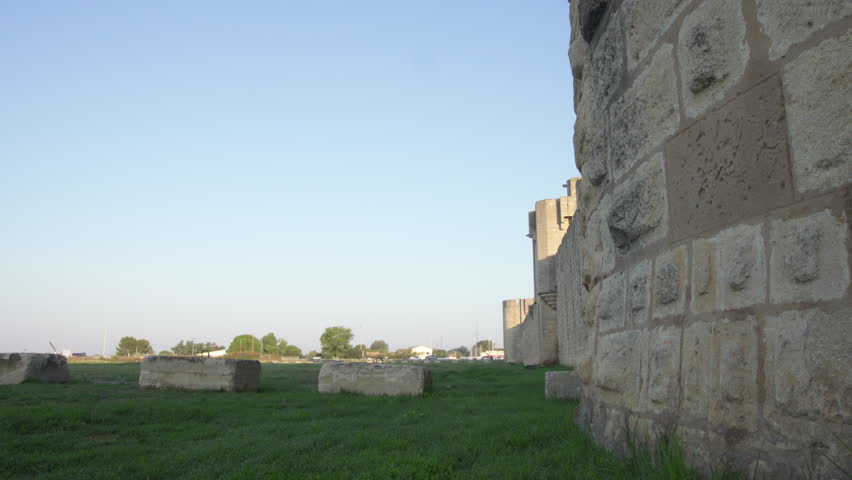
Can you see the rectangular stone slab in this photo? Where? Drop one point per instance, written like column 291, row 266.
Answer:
column 562, row 386
column 32, row 367
column 375, row 379
column 199, row 373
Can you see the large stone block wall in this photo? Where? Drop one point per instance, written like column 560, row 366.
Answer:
column 704, row 283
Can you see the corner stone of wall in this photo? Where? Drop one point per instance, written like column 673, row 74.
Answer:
column 704, row 284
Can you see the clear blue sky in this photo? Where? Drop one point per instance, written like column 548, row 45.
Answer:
column 199, row 169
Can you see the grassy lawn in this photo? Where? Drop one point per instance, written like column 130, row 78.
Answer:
column 481, row 421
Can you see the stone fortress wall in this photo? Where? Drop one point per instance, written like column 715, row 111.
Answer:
column 530, row 325
column 704, row 284
column 712, row 242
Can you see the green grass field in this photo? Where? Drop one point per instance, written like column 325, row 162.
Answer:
column 481, row 421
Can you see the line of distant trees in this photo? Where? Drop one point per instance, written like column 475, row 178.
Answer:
column 269, row 344
column 190, row 347
column 335, row 341
column 241, row 345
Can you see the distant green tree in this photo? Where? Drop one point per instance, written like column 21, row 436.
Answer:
column 360, row 350
column 379, row 346
column 482, row 346
column 189, row 347
column 282, row 346
column 129, row 346
column 335, row 341
column 165, row 352
column 244, row 343
column 291, row 351
column 401, row 354
column 270, row 344
column 312, row 354
column 441, row 353
column 462, row 350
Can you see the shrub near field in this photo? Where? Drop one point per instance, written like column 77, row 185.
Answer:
column 482, row 421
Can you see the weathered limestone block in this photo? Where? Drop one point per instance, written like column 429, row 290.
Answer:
column 698, row 368
column 801, row 448
column 531, row 345
column 599, row 251
column 199, row 373
column 646, row 114
column 32, row 367
column 591, row 13
column 809, row 364
column 610, row 305
column 670, row 283
column 607, row 424
column 644, row 22
column 639, row 211
column 639, row 294
column 742, row 267
column 704, row 276
column 731, row 164
column 582, row 345
column 729, row 270
column 578, row 53
column 607, row 61
column 736, row 403
column 549, row 352
column 787, row 23
column 819, row 100
column 594, row 152
column 591, row 135
column 616, row 368
column 583, row 354
column 712, row 53
column 661, row 370
column 563, row 385
column 720, row 373
column 601, row 77
column 808, row 259
column 374, row 379
column 705, row 448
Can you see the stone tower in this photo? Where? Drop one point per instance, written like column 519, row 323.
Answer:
column 533, row 340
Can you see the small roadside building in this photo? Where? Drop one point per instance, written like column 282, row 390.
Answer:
column 421, row 352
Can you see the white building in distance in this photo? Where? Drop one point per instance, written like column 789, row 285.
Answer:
column 421, row 352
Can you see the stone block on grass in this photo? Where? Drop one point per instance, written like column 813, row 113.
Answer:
column 374, row 379
column 199, row 373
column 32, row 367
column 564, row 385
